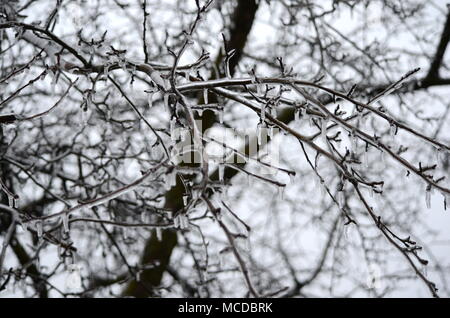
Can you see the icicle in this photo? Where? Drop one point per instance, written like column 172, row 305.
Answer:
column 166, row 102
column 144, row 217
column 159, row 234
column 270, row 132
column 341, row 199
column 346, row 232
column 438, row 154
column 88, row 99
column 323, row 190
column 108, row 114
column 428, row 197
column 73, row 279
column 259, row 131
column 60, row 252
column 186, row 76
column 445, row 195
column 11, row 201
column 181, row 221
column 424, row 270
column 172, row 179
column 269, row 170
column 324, row 129
column 222, row 259
column 219, row 216
column 372, row 191
column 244, row 244
column 53, row 84
column 183, row 135
column 122, row 64
column 354, row 142
column 200, row 111
column 138, row 276
column 176, row 221
column 280, row 190
column 185, row 199
column 106, row 70
column 185, row 221
column 315, row 184
column 84, row 117
column 292, row 178
column 263, row 112
column 126, row 233
column 382, row 156
column 205, row 95
column 39, row 229
column 150, row 99
column 65, row 221
column 297, row 114
column 259, row 89
column 172, row 129
column 37, row 263
column 220, row 116
column 273, row 111
column 393, row 129
column 25, row 226
column 227, row 71
column 221, row 172
column 365, row 159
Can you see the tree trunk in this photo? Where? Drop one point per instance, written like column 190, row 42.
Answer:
column 160, row 251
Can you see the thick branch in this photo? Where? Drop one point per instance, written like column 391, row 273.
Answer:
column 433, row 73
